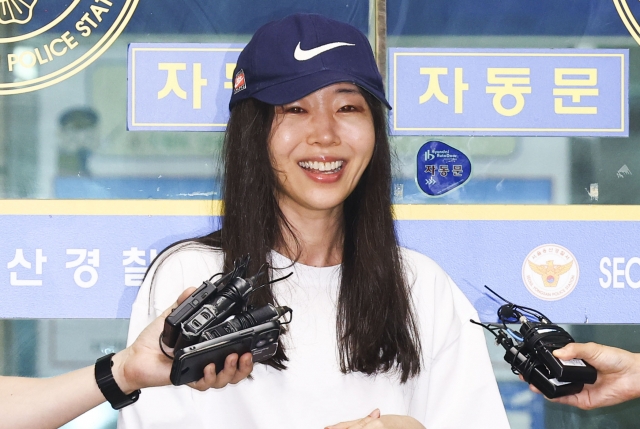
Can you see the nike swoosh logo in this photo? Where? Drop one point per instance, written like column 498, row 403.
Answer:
column 302, row 55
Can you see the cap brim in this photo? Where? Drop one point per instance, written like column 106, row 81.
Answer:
column 295, row 89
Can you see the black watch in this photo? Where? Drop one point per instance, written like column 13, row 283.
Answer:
column 109, row 387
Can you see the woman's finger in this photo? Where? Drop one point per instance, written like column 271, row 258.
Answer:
column 353, row 424
column 362, row 423
column 344, row 425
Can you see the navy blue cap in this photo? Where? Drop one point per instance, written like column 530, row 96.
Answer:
column 289, row 59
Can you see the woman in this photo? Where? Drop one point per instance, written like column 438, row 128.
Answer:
column 307, row 189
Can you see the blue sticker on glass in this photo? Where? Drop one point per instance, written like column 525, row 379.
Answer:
column 441, row 168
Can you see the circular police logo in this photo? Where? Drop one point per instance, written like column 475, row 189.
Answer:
column 550, row 272
column 43, row 42
column 628, row 11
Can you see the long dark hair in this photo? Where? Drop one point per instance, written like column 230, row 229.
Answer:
column 376, row 324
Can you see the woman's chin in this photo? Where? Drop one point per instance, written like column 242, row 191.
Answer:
column 314, row 202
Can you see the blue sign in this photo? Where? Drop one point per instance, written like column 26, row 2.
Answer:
column 515, row 92
column 441, row 168
column 180, row 86
column 92, row 266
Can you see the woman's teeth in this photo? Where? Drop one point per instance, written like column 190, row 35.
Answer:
column 323, row 167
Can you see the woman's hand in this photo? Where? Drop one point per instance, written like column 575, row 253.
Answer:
column 375, row 421
column 143, row 364
column 618, row 375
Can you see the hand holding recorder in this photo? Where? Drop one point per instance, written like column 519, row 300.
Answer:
column 618, row 375
column 51, row 402
column 214, row 322
column 530, row 351
column 147, row 366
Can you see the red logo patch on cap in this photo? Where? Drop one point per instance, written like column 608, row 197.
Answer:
column 238, row 82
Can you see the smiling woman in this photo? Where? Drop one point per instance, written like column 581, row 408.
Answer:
column 307, row 188
column 320, row 146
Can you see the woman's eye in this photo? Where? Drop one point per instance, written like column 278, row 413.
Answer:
column 349, row 108
column 294, row 109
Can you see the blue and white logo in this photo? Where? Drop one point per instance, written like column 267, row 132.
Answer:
column 441, row 168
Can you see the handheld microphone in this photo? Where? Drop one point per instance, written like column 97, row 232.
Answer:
column 245, row 320
column 222, row 325
column 227, row 302
column 188, row 307
column 532, row 353
column 535, row 372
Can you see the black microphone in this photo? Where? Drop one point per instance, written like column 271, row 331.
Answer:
column 229, row 301
column 507, row 313
column 245, row 320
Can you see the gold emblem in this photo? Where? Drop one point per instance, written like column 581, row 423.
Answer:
column 16, row 11
column 72, row 43
column 628, row 19
column 550, row 272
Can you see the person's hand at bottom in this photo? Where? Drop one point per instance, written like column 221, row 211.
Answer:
column 143, row 364
column 232, row 373
column 376, row 421
column 618, row 375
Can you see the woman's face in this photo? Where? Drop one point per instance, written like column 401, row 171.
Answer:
column 320, row 145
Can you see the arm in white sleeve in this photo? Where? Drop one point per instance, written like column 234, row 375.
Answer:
column 462, row 385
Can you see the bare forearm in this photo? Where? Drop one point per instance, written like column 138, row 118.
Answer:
column 47, row 402
column 52, row 402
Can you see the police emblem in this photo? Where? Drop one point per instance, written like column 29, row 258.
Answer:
column 43, row 42
column 626, row 11
column 550, row 272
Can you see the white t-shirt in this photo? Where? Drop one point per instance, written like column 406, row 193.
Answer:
column 456, row 387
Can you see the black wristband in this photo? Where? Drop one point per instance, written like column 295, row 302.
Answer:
column 109, row 387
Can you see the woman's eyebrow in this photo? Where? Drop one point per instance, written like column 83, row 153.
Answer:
column 347, row 91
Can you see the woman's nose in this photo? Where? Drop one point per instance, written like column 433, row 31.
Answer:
column 323, row 129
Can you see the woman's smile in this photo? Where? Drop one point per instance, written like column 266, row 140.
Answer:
column 323, row 171
column 322, row 166
column 321, row 145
